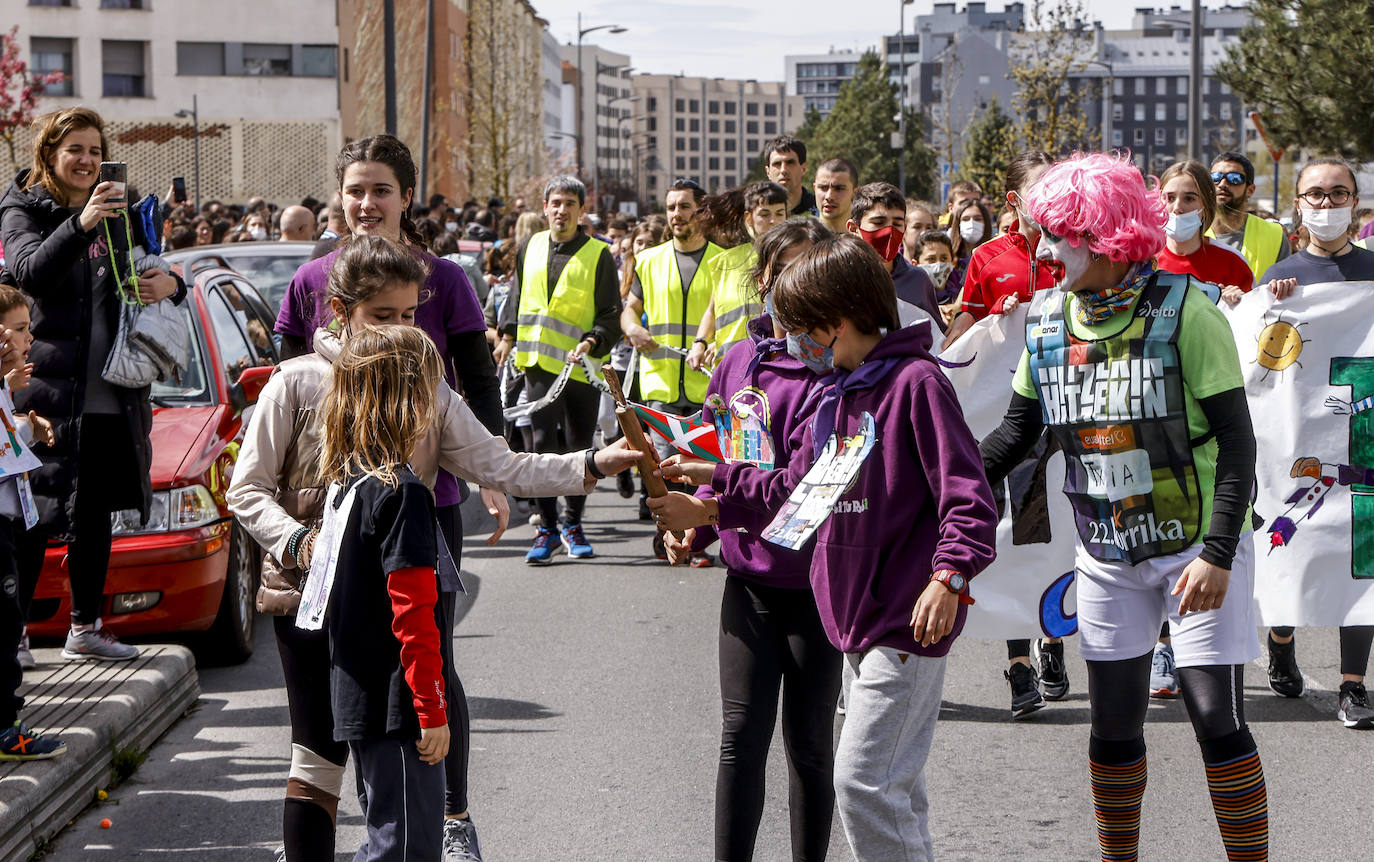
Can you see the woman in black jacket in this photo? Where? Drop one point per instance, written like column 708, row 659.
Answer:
column 57, row 227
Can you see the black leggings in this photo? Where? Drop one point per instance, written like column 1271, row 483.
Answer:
column 770, row 638
column 1118, row 695
column 575, row 413
column 1355, row 646
column 459, row 720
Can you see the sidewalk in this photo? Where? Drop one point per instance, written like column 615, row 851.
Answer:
column 97, row 708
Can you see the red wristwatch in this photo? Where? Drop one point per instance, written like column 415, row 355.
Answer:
column 955, row 583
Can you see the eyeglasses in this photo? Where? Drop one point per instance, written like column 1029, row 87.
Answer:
column 1315, row 197
column 1233, row 178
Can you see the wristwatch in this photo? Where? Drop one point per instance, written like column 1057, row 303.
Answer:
column 955, row 583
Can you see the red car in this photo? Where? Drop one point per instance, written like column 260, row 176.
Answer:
column 190, row 568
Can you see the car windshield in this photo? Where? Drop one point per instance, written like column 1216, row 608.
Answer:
column 190, row 386
column 269, row 273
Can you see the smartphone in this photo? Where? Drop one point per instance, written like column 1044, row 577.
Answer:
column 179, row 190
column 117, row 173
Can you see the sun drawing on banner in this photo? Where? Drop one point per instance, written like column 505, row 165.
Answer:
column 1280, row 345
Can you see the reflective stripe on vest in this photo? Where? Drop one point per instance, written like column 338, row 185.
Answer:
column 548, row 325
column 1116, row 406
column 1259, row 245
column 672, row 321
column 736, row 296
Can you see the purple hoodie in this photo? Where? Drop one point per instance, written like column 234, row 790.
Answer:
column 447, row 305
column 785, row 390
column 920, row 502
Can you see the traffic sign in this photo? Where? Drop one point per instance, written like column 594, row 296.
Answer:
column 1275, row 153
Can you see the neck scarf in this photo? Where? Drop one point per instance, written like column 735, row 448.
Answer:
column 866, row 376
column 1096, row 306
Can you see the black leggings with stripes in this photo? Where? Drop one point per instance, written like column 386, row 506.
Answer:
column 1118, row 693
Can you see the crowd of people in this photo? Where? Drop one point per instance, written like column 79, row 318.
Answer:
column 806, row 320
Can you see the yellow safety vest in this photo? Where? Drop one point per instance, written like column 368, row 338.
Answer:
column 1259, row 244
column 1363, row 243
column 673, row 318
column 736, row 295
column 548, row 325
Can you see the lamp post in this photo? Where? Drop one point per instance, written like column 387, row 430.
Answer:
column 194, row 114
column 596, row 146
column 1195, row 83
column 583, row 31
column 901, row 94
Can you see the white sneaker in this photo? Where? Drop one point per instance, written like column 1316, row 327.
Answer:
column 25, row 657
column 97, row 644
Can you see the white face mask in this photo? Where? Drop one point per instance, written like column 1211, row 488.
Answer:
column 451, row 226
column 1182, row 227
column 1326, row 224
column 257, row 233
column 971, row 231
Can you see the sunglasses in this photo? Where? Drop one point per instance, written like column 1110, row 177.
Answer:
column 1233, row 178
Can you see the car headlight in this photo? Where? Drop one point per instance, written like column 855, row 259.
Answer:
column 177, row 509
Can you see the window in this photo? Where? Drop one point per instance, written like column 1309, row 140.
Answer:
column 200, row 58
column 1206, row 111
column 713, row 126
column 1181, row 112
column 679, row 143
column 263, row 59
column 753, row 146
column 713, row 164
column 1117, row 140
column 1140, row 86
column 984, row 80
column 695, row 165
column 713, row 145
column 122, row 69
column 52, row 55
column 653, row 180
column 770, row 109
column 729, row 145
column 770, row 127
column 319, row 61
column 1161, row 112
column 694, row 106
column 652, row 141
column 1181, row 136
column 730, row 127
column 679, row 106
column 1138, row 137
column 694, row 125
column 1118, row 112
column 751, row 127
column 695, row 144
column 751, row 109
column 234, row 350
column 124, row 4
column 729, row 107
column 1161, row 136
column 713, row 107
column 50, row 2
column 1118, row 87
column 652, row 103
column 1161, row 86
column 651, row 124
column 1139, row 113
column 682, row 166
column 680, row 124
column 1225, row 88
column 1206, row 86
column 1181, row 85
column 730, row 166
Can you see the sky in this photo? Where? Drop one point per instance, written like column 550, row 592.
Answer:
column 749, row 40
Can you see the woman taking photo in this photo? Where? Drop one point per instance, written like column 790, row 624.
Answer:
column 66, row 248
column 1159, row 477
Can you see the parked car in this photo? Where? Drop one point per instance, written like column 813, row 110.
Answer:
column 190, row 568
column 269, row 265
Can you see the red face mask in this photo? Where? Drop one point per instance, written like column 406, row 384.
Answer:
column 886, row 241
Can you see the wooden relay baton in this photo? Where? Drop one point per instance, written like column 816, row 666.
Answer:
column 629, row 423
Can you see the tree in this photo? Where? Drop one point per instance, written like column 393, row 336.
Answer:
column 504, row 122
column 1296, row 63
column 990, row 147
column 948, row 127
column 861, row 125
column 20, row 90
column 1044, row 60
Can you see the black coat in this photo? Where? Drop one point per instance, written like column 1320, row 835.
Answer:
column 45, row 253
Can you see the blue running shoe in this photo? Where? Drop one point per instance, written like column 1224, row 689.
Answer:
column 575, row 543
column 1163, row 673
column 18, row 742
column 545, row 540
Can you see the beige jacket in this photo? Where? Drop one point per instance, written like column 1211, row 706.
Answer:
column 275, row 491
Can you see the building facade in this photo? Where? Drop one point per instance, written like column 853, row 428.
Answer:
column 816, row 78
column 601, row 121
column 264, row 77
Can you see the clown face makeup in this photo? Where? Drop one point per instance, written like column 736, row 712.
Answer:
column 1068, row 263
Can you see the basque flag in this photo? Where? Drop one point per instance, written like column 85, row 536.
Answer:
column 689, row 436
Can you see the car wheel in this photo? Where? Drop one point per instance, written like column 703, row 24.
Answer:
column 230, row 639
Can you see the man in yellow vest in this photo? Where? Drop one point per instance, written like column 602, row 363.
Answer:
column 564, row 304
column 1262, row 243
column 669, row 293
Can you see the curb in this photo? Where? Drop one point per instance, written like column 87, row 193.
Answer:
column 96, row 708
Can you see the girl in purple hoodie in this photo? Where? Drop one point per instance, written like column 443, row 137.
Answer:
column 771, row 638
column 912, row 522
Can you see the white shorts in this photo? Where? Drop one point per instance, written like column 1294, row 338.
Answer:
column 1120, row 608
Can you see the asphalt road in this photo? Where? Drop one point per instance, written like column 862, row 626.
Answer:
column 594, row 696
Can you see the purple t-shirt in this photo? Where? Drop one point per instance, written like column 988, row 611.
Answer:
column 448, row 305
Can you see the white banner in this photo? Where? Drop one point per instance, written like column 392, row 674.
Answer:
column 1028, row 589
column 1308, row 362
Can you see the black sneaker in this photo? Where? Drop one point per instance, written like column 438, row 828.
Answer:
column 1355, row 711
column 644, row 513
column 1025, row 696
column 625, row 483
column 1284, row 677
column 1054, row 679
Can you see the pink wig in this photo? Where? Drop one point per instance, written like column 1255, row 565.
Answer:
column 1102, row 199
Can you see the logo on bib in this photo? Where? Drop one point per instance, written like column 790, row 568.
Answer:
column 1147, row 309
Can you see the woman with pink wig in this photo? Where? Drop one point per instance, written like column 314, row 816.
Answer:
column 1135, row 373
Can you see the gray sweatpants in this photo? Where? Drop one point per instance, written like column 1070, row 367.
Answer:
column 892, row 699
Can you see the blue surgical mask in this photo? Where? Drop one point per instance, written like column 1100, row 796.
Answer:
column 768, row 303
column 812, row 354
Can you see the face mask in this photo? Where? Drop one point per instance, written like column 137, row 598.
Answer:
column 808, row 352
column 257, row 233
column 886, row 241
column 1182, row 227
column 938, row 272
column 768, row 304
column 971, row 231
column 451, row 226
column 1328, row 224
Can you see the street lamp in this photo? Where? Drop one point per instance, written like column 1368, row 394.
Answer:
column 194, row 114
column 901, row 94
column 581, row 31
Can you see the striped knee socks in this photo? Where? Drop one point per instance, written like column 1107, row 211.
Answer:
column 1235, row 779
column 1117, row 772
